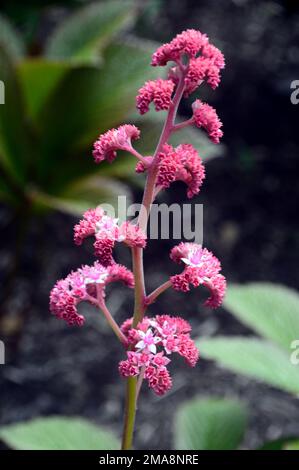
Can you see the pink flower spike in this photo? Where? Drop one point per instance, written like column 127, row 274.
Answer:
column 106, row 146
column 202, row 268
column 205, row 116
column 159, row 91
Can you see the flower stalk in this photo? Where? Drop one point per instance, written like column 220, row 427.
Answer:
column 150, row 341
column 137, row 255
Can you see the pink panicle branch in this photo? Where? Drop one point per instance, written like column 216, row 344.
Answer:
column 150, row 341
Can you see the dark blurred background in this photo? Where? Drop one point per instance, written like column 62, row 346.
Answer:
column 250, row 222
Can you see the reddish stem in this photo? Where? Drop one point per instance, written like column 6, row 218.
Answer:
column 153, row 296
column 113, row 323
column 138, row 156
column 182, row 125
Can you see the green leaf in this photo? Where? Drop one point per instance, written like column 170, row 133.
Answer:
column 280, row 444
column 271, row 310
column 81, row 195
column 39, row 78
column 293, row 445
column 89, row 101
column 126, row 67
column 10, row 39
column 210, row 424
column 83, row 35
column 255, row 358
column 14, row 138
column 57, row 433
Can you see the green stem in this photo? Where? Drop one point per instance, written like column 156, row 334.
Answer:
column 130, row 412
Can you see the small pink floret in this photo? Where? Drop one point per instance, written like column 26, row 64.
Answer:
column 205, row 116
column 86, row 284
column 157, row 91
column 201, row 268
column 105, row 148
column 181, row 164
column 107, row 231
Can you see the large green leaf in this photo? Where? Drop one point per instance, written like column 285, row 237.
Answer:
column 271, row 310
column 210, row 424
column 14, row 136
column 38, row 78
column 11, row 39
column 87, row 102
column 126, row 67
column 256, row 358
column 82, row 195
column 57, row 433
column 83, row 34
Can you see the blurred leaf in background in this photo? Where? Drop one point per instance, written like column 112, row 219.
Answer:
column 58, row 433
column 53, row 104
column 273, row 312
column 210, row 424
column 59, row 102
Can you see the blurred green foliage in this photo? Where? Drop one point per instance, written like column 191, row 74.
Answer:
column 58, row 433
column 272, row 311
column 218, row 424
column 199, row 424
column 210, row 424
column 57, row 103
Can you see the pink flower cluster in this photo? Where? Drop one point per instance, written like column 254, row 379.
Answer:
column 150, row 343
column 159, row 91
column 204, row 63
column 86, row 284
column 178, row 164
column 181, row 164
column 115, row 139
column 201, row 268
column 107, row 232
column 205, row 116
